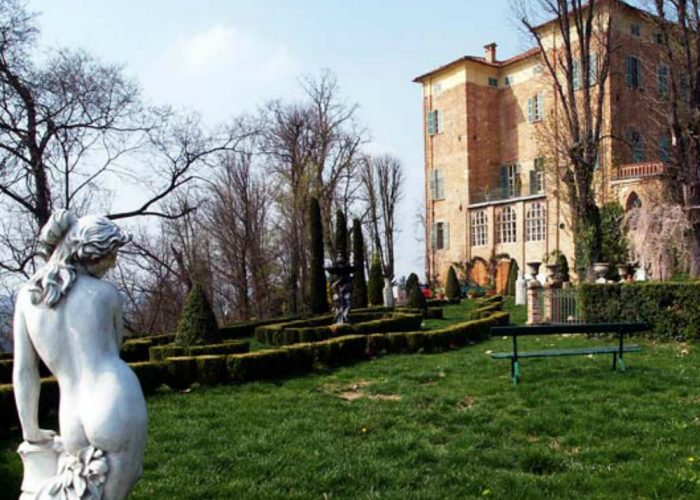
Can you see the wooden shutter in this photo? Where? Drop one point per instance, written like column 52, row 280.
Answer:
column 445, row 235
column 433, row 235
column 540, row 106
column 530, row 110
column 438, row 121
column 533, row 181
column 630, row 70
column 431, row 122
column 432, row 185
column 592, row 69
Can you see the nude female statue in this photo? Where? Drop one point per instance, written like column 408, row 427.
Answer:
column 72, row 320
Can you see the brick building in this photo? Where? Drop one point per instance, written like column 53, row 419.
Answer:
column 493, row 188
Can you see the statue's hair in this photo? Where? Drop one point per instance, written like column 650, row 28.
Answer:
column 70, row 243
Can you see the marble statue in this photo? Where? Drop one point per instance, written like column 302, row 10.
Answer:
column 342, row 297
column 72, row 320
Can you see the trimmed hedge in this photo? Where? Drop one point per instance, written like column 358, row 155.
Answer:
column 6, row 355
column 318, row 329
column 182, row 371
column 670, row 309
column 159, row 353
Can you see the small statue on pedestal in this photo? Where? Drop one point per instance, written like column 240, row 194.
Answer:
column 342, row 290
column 72, row 320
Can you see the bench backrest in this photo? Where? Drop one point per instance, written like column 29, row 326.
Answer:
column 548, row 329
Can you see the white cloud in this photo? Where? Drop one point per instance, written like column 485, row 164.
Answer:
column 221, row 71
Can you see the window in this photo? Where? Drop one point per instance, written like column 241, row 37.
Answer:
column 510, row 180
column 508, row 80
column 537, row 177
column 592, row 69
column 440, row 235
column 506, row 224
column 535, row 108
column 659, row 38
column 479, row 228
column 436, row 88
column 493, row 82
column 634, row 72
column 636, row 142
column 537, row 70
column 535, row 222
column 576, row 75
column 437, row 185
column 635, row 30
column 435, row 122
column 662, row 79
column 664, row 148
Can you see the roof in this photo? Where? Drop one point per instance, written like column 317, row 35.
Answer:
column 525, row 55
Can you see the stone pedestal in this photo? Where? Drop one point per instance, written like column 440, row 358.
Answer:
column 534, row 312
column 520, row 290
column 388, row 293
column 40, row 464
column 547, row 303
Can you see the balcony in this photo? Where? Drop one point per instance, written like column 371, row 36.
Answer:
column 634, row 171
column 498, row 195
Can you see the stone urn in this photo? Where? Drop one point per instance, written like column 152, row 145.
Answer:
column 601, row 270
column 534, row 269
column 623, row 270
column 552, row 276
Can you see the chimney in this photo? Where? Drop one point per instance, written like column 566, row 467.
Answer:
column 490, row 53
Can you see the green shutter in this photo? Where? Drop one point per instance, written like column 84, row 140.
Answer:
column 540, row 106
column 530, row 110
column 431, row 122
column 433, row 235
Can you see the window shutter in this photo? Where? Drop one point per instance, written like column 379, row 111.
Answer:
column 630, row 70
column 439, row 185
column 433, row 192
column 533, row 181
column 438, row 122
column 576, row 75
column 530, row 110
column 664, row 148
column 433, row 235
column 431, row 122
column 445, row 235
column 540, row 106
column 638, row 65
column 592, row 69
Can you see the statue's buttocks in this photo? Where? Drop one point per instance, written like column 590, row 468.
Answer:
column 72, row 320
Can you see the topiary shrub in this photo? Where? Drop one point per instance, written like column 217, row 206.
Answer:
column 359, row 284
column 317, row 276
column 452, row 288
column 341, row 237
column 411, row 281
column 563, row 268
column 512, row 277
column 376, row 283
column 197, row 323
column 416, row 300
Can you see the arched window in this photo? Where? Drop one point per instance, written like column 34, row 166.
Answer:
column 633, row 201
column 506, row 225
column 535, row 222
column 636, row 142
column 479, row 228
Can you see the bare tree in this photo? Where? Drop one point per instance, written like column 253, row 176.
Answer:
column 678, row 21
column 576, row 49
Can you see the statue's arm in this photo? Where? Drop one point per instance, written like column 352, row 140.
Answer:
column 25, row 380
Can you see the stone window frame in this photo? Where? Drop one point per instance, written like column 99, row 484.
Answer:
column 479, row 228
column 535, row 221
column 507, row 225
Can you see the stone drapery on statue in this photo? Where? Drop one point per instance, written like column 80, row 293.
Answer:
column 72, row 320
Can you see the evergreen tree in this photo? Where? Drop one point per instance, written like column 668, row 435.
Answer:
column 512, row 277
column 452, row 288
column 411, row 281
column 317, row 275
column 416, row 299
column 563, row 268
column 376, row 282
column 359, row 284
column 197, row 324
column 341, row 237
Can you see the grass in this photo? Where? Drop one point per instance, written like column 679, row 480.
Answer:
column 445, row 425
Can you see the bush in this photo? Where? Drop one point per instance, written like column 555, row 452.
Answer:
column 452, row 288
column 161, row 353
column 670, row 309
column 416, row 300
column 151, row 375
column 359, row 284
column 376, row 283
column 512, row 277
column 135, row 350
column 317, row 275
column 563, row 268
column 244, row 329
column 197, row 323
column 411, row 281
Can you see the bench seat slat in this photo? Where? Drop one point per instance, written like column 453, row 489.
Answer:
column 567, row 352
column 554, row 329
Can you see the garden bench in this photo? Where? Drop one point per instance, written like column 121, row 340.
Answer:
column 620, row 329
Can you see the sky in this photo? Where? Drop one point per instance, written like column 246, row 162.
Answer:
column 225, row 57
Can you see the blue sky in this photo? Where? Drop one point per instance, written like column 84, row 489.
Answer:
column 224, row 57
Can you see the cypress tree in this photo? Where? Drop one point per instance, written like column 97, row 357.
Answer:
column 563, row 268
column 376, row 283
column 317, row 276
column 452, row 288
column 341, row 237
column 411, row 281
column 197, row 323
column 416, row 299
column 512, row 277
column 359, row 284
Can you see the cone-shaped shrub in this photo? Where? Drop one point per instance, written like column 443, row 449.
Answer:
column 341, row 237
column 359, row 284
column 376, row 283
column 416, row 299
column 512, row 277
column 197, row 324
column 318, row 301
column 563, row 268
column 452, row 288
column 411, row 281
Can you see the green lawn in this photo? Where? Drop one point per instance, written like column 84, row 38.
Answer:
column 445, row 425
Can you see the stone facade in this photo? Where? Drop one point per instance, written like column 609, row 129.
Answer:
column 483, row 121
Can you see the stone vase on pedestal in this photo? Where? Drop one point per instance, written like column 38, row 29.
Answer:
column 520, row 289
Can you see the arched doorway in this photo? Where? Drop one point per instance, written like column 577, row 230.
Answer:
column 502, row 271
column 633, row 201
column 480, row 272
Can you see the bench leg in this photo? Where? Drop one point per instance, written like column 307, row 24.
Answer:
column 515, row 372
column 622, row 364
